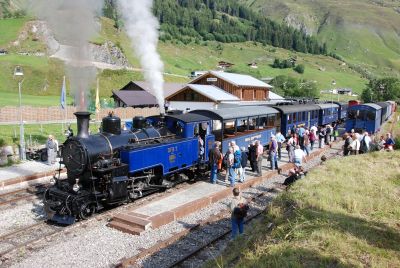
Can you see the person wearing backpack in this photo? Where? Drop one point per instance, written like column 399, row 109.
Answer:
column 365, row 143
column 238, row 208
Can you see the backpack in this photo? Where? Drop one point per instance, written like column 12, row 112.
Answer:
column 225, row 160
column 237, row 159
column 240, row 211
column 363, row 145
column 328, row 130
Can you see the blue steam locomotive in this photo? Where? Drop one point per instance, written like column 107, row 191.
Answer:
column 116, row 166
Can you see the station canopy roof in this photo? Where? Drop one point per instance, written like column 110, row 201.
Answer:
column 236, row 112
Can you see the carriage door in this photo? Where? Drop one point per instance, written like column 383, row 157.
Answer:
column 202, row 130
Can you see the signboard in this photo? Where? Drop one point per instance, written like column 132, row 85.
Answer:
column 212, row 79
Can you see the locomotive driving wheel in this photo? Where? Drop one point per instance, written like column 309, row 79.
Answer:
column 87, row 210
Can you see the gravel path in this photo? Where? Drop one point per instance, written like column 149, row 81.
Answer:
column 95, row 245
column 21, row 216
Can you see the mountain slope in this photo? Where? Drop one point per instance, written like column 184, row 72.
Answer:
column 365, row 33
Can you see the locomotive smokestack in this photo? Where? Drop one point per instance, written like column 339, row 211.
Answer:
column 83, row 124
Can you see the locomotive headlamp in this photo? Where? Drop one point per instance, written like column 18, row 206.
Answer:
column 53, row 181
column 76, row 186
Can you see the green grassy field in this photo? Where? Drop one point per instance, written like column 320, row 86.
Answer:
column 9, row 29
column 338, row 216
column 43, row 76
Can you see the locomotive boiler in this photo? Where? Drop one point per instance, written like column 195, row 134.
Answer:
column 95, row 174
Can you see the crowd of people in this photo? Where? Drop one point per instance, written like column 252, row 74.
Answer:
column 355, row 143
column 300, row 142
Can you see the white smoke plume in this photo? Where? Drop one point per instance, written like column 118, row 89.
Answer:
column 142, row 28
column 73, row 23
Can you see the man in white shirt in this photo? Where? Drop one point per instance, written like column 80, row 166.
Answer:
column 299, row 155
column 280, row 139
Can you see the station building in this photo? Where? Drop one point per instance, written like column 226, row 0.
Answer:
column 210, row 90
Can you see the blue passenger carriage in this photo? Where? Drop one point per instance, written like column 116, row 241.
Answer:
column 386, row 110
column 243, row 124
column 168, row 156
column 293, row 115
column 343, row 106
column 329, row 113
column 364, row 117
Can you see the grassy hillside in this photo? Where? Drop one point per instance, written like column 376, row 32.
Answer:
column 338, row 216
column 43, row 75
column 365, row 33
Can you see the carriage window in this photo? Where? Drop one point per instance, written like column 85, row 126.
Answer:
column 370, row 116
column 252, row 123
column 304, row 116
column 242, row 125
column 294, row 117
column 361, row 114
column 229, row 127
column 271, row 121
column 289, row 116
column 262, row 122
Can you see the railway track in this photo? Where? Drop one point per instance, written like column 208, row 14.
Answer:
column 25, row 236
column 22, row 194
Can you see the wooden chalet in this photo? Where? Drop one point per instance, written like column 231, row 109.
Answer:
column 244, row 87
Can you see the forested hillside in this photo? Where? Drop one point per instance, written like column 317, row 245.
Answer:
column 224, row 21
column 365, row 33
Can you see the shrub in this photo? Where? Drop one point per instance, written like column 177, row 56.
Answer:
column 299, row 68
column 2, row 142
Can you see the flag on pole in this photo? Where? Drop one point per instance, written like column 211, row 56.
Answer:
column 97, row 98
column 63, row 97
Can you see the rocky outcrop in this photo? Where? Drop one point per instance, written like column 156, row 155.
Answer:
column 300, row 24
column 109, row 53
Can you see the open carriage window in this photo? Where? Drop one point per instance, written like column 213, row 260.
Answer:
column 271, row 121
column 262, row 122
column 229, row 127
column 242, row 124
